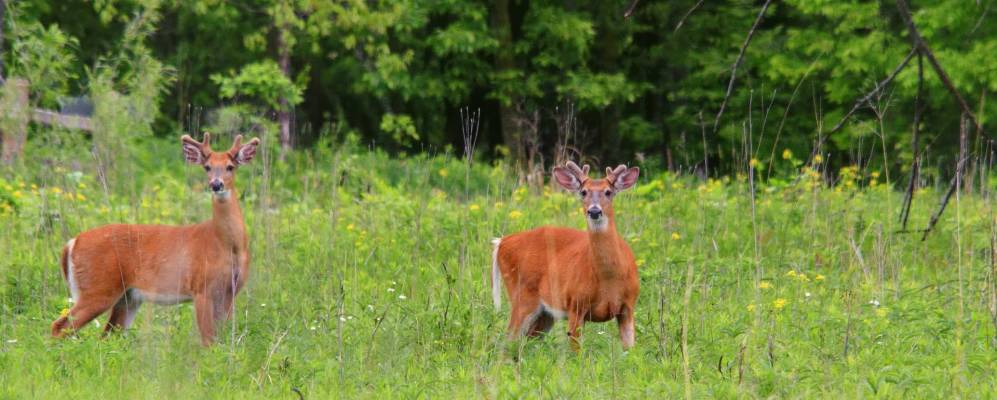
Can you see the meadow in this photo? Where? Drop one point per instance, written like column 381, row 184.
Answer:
column 369, row 279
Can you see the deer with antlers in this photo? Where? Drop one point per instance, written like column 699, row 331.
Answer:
column 554, row 273
column 118, row 267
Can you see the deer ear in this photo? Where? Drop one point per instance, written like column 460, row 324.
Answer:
column 566, row 178
column 626, row 179
column 193, row 151
column 245, row 152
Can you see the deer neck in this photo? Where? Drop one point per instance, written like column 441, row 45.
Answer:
column 227, row 220
column 605, row 246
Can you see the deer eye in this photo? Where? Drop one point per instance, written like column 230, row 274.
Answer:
column 609, row 193
column 207, row 168
column 584, row 193
column 229, row 167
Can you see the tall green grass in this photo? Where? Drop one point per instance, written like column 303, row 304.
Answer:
column 370, row 279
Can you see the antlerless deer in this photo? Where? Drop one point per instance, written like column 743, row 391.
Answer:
column 118, row 267
column 554, row 273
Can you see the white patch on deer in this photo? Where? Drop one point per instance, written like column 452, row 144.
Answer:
column 598, row 225
column 161, row 298
column 133, row 300
column 496, row 276
column 555, row 313
column 74, row 286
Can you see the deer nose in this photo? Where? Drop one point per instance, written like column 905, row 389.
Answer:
column 216, row 185
column 595, row 213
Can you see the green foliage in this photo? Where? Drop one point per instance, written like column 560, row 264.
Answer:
column 262, row 81
column 355, row 63
column 43, row 56
column 400, row 128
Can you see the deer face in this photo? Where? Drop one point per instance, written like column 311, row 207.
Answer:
column 596, row 194
column 219, row 166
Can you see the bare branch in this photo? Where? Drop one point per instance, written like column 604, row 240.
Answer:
column 879, row 87
column 956, row 180
column 631, row 9
column 737, row 62
column 687, row 14
column 923, row 47
column 915, row 163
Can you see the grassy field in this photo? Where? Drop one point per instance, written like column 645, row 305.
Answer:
column 369, row 279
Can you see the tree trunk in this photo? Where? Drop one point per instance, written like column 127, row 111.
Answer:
column 284, row 113
column 610, row 49
column 505, row 61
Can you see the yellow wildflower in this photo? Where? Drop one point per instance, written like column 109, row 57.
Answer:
column 803, row 277
column 56, row 190
column 515, row 214
column 753, row 163
column 874, row 174
column 17, row 194
column 881, row 312
column 751, row 307
column 819, row 277
column 640, row 262
column 81, row 197
column 676, row 236
column 350, row 227
column 779, row 303
column 34, row 186
column 499, row 204
column 82, row 185
column 764, row 285
column 818, row 159
column 791, row 273
column 64, row 312
column 443, row 172
column 473, row 207
column 787, row 154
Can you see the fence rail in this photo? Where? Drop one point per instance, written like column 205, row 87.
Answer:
column 14, row 120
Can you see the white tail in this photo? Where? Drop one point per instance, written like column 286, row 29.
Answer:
column 552, row 273
column 74, row 288
column 496, row 276
column 117, row 267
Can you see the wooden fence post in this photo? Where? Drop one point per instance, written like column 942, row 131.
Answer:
column 14, row 116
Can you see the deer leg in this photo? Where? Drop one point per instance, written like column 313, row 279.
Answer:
column 524, row 312
column 204, row 308
column 123, row 312
column 224, row 307
column 88, row 308
column 626, row 323
column 575, row 322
